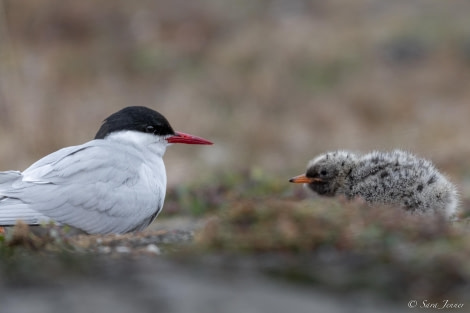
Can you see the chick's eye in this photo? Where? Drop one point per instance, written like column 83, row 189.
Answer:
column 323, row 172
column 149, row 129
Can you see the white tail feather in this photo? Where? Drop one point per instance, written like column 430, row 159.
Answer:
column 10, row 213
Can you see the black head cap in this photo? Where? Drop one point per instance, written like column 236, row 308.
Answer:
column 136, row 118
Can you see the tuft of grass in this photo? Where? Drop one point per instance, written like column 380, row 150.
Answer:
column 21, row 240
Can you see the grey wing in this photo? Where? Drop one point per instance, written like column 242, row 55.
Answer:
column 9, row 176
column 92, row 187
column 12, row 209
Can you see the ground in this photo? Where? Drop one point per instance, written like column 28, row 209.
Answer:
column 252, row 253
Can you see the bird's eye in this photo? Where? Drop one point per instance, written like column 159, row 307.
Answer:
column 323, row 173
column 150, row 129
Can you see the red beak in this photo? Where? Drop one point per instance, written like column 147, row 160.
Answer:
column 180, row 137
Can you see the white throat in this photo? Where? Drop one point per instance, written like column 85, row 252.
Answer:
column 157, row 144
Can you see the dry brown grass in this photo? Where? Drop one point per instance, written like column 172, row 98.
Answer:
column 272, row 83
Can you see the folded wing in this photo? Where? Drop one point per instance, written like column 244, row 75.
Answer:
column 95, row 187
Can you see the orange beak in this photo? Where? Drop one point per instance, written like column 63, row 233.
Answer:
column 302, row 179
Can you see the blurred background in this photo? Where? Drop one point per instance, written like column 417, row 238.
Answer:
column 272, row 82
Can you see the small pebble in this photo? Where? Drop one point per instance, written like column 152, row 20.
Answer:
column 104, row 249
column 123, row 249
column 153, row 249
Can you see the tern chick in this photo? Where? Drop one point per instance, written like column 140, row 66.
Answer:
column 393, row 178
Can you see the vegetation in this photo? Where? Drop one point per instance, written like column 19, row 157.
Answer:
column 331, row 243
column 347, row 246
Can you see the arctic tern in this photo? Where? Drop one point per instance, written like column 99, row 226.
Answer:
column 115, row 183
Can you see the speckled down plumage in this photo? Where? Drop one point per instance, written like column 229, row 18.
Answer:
column 395, row 178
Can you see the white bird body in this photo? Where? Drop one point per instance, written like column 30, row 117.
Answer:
column 394, row 178
column 111, row 185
